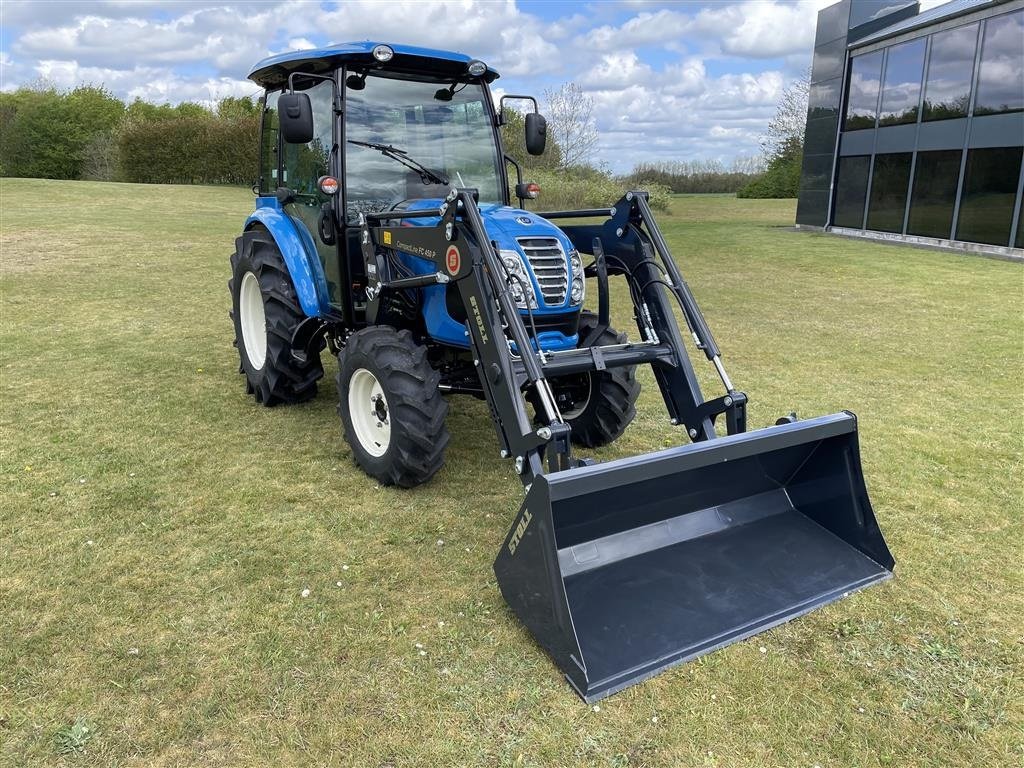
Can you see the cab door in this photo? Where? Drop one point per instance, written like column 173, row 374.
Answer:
column 302, row 165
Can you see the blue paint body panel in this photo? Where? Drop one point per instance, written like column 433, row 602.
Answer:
column 504, row 225
column 271, row 69
column 299, row 251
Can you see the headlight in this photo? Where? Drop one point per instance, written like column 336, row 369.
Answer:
column 518, row 281
column 577, row 262
column 577, row 290
column 512, row 262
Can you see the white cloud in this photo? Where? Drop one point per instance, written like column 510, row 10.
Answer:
column 616, row 71
column 759, row 29
column 643, row 29
column 647, row 67
column 155, row 84
column 755, row 28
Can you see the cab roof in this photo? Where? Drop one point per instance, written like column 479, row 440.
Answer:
column 274, row 70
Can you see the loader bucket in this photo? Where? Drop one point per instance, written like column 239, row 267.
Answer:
column 623, row 569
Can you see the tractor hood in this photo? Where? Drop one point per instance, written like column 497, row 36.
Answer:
column 547, row 255
column 504, row 223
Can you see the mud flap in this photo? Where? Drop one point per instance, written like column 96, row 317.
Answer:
column 623, row 569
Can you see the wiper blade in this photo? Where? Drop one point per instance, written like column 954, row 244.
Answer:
column 427, row 176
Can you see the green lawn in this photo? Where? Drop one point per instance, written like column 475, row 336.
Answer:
column 157, row 529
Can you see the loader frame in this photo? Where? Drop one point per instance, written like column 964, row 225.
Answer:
column 627, row 243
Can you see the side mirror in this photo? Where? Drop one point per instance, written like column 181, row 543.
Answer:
column 295, row 115
column 536, row 133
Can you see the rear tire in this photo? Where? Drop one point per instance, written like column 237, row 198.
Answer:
column 265, row 311
column 390, row 406
column 608, row 396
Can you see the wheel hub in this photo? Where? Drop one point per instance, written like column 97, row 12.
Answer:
column 368, row 411
column 380, row 408
column 253, row 320
column 573, row 394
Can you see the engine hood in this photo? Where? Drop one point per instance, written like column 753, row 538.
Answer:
column 506, row 224
column 529, row 236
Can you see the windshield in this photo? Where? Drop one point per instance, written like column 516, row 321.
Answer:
column 453, row 139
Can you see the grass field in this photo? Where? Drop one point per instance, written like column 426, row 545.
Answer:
column 157, row 529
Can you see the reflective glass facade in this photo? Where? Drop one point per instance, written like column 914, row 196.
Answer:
column 989, row 194
column 890, row 181
column 947, row 90
column 901, row 94
column 1001, row 79
column 851, row 187
column 934, row 195
column 862, row 92
column 929, row 143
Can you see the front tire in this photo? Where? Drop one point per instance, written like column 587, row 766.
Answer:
column 391, row 409
column 266, row 311
column 603, row 403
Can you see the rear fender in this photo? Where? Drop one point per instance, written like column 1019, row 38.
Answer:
column 299, row 251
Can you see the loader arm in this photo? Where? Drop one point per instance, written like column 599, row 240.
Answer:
column 459, row 241
column 631, row 244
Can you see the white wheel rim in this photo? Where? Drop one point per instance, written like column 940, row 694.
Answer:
column 579, row 407
column 253, row 320
column 368, row 409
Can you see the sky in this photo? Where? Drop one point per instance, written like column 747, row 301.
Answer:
column 670, row 80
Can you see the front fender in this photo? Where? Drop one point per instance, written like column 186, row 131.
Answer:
column 299, row 251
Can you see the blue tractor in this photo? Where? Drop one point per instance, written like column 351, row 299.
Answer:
column 385, row 232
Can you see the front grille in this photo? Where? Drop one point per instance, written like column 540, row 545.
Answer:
column 550, row 267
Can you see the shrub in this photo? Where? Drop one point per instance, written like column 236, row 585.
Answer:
column 781, row 179
column 190, row 149
column 583, row 187
column 697, row 176
column 47, row 133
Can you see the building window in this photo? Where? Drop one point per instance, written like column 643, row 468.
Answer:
column 863, row 12
column 989, row 194
column 936, row 178
column 947, row 92
column 1001, row 76
column 823, row 100
column 889, row 184
column 902, row 90
column 851, row 187
column 865, row 78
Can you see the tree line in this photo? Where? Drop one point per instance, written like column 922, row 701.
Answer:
column 88, row 133
column 699, row 176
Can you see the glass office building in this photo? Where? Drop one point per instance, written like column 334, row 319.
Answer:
column 915, row 123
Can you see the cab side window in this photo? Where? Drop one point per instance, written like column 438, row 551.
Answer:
column 304, row 164
column 269, row 144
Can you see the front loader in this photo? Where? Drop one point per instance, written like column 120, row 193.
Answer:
column 384, row 231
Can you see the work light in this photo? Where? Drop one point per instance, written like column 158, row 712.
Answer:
column 383, row 53
column 577, row 290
